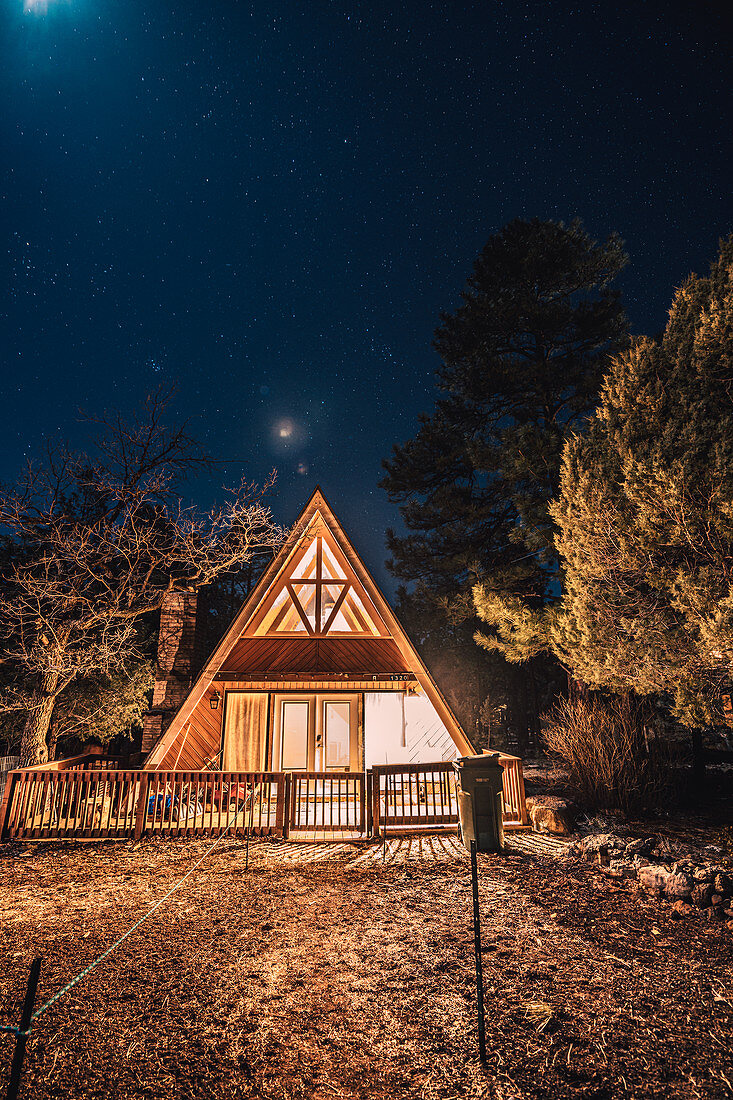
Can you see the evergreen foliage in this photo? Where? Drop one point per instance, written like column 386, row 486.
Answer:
column 522, row 360
column 645, row 517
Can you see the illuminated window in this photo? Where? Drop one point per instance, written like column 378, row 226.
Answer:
column 317, row 598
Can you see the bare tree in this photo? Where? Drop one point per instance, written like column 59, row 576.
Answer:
column 99, row 540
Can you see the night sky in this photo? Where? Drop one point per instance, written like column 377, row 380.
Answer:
column 269, row 204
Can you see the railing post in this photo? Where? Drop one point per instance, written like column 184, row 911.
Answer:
column 368, row 781
column 6, row 802
column 523, row 817
column 375, row 802
column 142, row 805
column 284, row 786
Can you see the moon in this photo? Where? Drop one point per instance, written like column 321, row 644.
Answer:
column 288, row 434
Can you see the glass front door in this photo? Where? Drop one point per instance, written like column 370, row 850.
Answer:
column 316, row 733
column 295, row 726
column 337, row 734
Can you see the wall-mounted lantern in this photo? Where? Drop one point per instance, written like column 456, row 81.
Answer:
column 214, row 700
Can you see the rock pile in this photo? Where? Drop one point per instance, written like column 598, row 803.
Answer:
column 687, row 883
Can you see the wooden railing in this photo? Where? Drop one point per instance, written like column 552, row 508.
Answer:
column 116, row 803
column 327, row 802
column 98, row 802
column 515, row 806
column 40, row 804
column 93, row 757
column 413, row 794
column 196, row 803
column 425, row 794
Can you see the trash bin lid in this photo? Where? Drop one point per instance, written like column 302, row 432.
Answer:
column 486, row 759
column 470, row 768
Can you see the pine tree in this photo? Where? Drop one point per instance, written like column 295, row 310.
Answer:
column 645, row 515
column 522, row 360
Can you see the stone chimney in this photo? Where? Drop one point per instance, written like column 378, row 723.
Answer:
column 176, row 664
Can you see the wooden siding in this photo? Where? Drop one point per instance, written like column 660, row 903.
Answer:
column 270, row 656
column 199, row 740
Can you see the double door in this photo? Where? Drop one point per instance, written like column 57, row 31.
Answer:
column 316, row 733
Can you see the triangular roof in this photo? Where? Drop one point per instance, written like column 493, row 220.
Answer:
column 315, row 589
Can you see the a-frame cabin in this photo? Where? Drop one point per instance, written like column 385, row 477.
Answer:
column 315, row 674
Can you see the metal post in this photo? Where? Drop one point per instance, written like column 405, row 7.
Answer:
column 479, row 967
column 286, row 784
column 21, row 1040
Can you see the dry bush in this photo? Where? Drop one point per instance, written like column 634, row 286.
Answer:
column 613, row 762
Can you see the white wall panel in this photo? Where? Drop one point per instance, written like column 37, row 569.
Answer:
column 404, row 729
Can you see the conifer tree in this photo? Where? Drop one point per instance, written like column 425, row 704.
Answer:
column 522, row 360
column 645, row 517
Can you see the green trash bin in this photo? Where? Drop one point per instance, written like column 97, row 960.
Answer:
column 480, row 781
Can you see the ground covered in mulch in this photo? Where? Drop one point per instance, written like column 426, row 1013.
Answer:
column 324, row 972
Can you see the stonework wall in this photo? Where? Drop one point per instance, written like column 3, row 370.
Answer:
column 176, row 666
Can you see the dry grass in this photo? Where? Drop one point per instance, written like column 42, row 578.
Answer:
column 323, row 972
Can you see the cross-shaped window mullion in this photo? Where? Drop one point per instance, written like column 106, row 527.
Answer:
column 336, row 607
column 319, row 581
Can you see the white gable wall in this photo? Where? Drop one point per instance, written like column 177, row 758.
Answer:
column 404, row 729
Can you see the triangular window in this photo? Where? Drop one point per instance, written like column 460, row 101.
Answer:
column 319, row 595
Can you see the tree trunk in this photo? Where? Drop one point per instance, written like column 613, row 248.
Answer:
column 51, row 740
column 33, row 748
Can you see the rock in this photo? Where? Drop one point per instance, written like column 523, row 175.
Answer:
column 687, row 865
column 703, row 874
column 653, row 879
column 551, row 815
column 702, row 895
column 641, row 861
column 678, row 885
column 601, row 843
column 716, row 899
column 729, row 925
column 622, row 868
column 715, row 913
column 722, row 884
column 681, row 909
column 642, row 846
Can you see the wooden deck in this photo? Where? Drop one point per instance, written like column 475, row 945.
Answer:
column 105, row 802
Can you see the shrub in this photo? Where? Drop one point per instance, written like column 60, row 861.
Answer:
column 613, row 761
